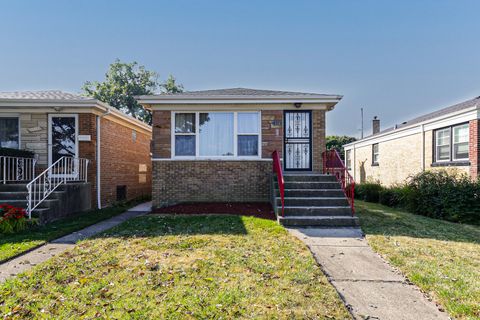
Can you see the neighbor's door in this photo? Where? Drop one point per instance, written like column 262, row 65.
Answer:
column 63, row 142
column 298, row 140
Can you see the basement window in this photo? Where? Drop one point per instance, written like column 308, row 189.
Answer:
column 121, row 193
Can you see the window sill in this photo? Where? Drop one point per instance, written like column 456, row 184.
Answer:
column 451, row 164
column 375, row 164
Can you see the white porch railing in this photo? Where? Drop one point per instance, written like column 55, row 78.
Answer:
column 16, row 169
column 65, row 169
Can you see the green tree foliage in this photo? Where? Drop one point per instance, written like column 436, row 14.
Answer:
column 123, row 81
column 337, row 142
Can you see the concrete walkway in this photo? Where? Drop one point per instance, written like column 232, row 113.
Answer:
column 27, row 261
column 370, row 287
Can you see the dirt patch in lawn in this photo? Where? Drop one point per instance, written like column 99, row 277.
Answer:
column 260, row 209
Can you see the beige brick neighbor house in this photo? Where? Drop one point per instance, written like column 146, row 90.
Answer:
column 217, row 145
column 98, row 153
column 447, row 138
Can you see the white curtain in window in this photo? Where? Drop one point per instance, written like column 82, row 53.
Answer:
column 216, row 134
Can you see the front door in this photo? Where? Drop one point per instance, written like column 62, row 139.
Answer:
column 298, row 140
column 62, row 142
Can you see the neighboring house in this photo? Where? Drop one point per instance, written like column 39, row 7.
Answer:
column 105, row 147
column 447, row 138
column 216, row 145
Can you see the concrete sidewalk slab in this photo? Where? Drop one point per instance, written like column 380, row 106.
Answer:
column 370, row 287
column 27, row 261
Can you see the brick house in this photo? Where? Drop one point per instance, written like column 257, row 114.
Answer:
column 112, row 150
column 447, row 138
column 216, row 145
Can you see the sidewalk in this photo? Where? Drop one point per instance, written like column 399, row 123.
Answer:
column 370, row 287
column 27, row 261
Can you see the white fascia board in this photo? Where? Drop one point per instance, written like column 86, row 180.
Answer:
column 237, row 107
column 431, row 124
column 235, row 101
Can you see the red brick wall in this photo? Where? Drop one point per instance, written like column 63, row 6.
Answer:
column 272, row 135
column 474, row 149
column 161, row 144
column 318, row 139
column 120, row 158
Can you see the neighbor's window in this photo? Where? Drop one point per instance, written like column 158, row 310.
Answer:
column 215, row 134
column 375, row 153
column 348, row 159
column 9, row 133
column 451, row 144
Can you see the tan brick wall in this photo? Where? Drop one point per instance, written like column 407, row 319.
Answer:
column 34, row 135
column 474, row 151
column 215, row 181
column 398, row 160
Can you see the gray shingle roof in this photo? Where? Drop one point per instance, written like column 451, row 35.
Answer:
column 41, row 95
column 432, row 115
column 244, row 92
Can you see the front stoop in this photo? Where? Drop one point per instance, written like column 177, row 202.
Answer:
column 313, row 199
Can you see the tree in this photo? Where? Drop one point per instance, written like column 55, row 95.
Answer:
column 124, row 81
column 337, row 143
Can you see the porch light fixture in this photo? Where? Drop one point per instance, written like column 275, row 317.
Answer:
column 297, row 105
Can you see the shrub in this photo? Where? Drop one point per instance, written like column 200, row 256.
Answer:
column 12, row 219
column 369, row 191
column 395, row 196
column 444, row 195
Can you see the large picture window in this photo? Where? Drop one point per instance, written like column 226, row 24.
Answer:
column 216, row 134
column 9, row 133
column 451, row 143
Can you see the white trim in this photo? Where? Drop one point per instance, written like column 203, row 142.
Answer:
column 98, row 164
column 61, row 115
column 234, row 106
column 197, row 137
column 432, row 124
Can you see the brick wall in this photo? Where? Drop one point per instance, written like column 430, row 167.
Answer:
column 161, row 145
column 318, row 139
column 215, row 181
column 88, row 149
column 474, row 149
column 272, row 135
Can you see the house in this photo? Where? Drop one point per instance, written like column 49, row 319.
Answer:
column 447, row 138
column 217, row 145
column 98, row 153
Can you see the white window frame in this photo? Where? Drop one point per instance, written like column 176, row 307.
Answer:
column 443, row 145
column 235, row 136
column 8, row 115
column 375, row 153
column 453, row 142
column 348, row 159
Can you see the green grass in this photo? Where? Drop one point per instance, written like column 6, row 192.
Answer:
column 442, row 258
column 183, row 267
column 12, row 245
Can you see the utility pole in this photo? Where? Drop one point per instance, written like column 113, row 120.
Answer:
column 361, row 114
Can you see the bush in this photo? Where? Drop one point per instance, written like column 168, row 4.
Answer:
column 12, row 219
column 395, row 196
column 369, row 191
column 16, row 153
column 444, row 195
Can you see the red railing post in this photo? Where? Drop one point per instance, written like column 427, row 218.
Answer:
column 333, row 164
column 277, row 168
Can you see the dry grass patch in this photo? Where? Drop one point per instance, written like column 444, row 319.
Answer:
column 210, row 267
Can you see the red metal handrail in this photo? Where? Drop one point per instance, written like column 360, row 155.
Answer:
column 277, row 168
column 333, row 164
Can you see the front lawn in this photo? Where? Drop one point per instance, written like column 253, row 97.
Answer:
column 442, row 258
column 182, row 267
column 16, row 243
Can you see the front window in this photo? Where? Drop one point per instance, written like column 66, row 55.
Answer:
column 9, row 133
column 348, row 159
column 451, row 144
column 217, row 134
column 375, row 154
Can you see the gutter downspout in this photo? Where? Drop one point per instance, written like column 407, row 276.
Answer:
column 99, row 198
column 422, row 127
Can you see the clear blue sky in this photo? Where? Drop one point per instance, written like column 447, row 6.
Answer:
column 397, row 59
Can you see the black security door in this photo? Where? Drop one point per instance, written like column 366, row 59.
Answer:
column 298, row 140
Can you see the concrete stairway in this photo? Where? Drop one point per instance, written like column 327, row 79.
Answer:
column 313, row 199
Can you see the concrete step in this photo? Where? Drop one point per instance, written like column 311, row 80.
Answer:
column 23, row 203
column 319, row 221
column 309, row 177
column 312, row 185
column 312, row 193
column 22, row 195
column 13, row 187
column 313, row 201
column 318, row 211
